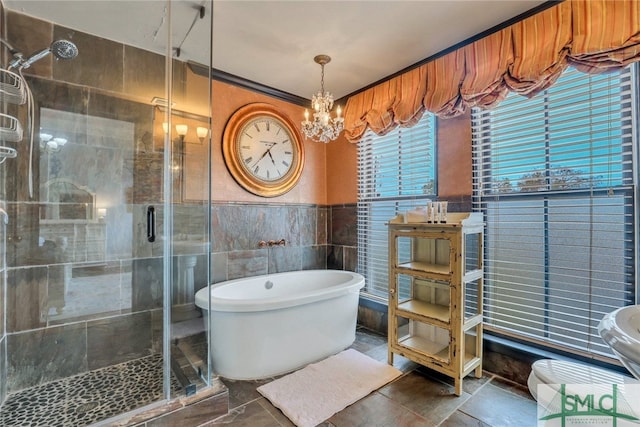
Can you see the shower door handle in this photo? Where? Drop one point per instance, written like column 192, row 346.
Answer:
column 151, row 224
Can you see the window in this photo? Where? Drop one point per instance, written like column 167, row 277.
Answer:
column 396, row 172
column 554, row 176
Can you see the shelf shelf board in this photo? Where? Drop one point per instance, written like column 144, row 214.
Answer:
column 423, row 345
column 472, row 275
column 471, row 362
column 426, row 309
column 471, row 321
column 426, row 267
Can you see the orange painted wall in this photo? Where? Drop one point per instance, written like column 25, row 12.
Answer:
column 342, row 172
column 454, row 157
column 312, row 187
column 330, row 174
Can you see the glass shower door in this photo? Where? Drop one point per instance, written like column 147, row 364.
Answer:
column 183, row 120
column 108, row 233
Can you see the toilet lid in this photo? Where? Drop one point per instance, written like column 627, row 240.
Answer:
column 550, row 371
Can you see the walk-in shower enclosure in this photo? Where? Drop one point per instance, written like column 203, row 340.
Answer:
column 106, row 238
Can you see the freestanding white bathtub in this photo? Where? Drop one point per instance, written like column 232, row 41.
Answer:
column 268, row 325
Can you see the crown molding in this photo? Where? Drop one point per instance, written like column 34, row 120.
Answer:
column 231, row 79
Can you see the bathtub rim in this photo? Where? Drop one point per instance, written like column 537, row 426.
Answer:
column 354, row 284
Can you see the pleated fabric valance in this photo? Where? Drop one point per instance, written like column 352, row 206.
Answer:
column 526, row 58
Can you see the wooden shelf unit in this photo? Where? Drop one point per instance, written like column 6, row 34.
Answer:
column 435, row 294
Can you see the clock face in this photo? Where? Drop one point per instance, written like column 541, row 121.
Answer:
column 262, row 149
column 266, row 149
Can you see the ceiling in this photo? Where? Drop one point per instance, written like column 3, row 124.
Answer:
column 273, row 43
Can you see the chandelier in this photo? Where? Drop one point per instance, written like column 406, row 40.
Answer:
column 323, row 128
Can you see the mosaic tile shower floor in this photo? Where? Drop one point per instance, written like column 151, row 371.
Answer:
column 88, row 398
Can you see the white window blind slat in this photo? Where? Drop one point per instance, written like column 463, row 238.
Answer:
column 396, row 172
column 554, row 178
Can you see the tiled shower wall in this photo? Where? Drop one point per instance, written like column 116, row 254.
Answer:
column 100, row 83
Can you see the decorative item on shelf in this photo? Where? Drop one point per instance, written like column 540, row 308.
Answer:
column 51, row 144
column 432, row 213
column 323, row 128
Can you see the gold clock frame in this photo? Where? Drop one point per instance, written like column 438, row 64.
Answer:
column 231, row 151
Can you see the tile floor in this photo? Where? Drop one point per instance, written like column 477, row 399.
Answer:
column 420, row 397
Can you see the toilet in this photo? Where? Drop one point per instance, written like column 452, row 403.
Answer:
column 555, row 372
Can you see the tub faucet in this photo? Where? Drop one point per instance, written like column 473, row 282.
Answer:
column 271, row 243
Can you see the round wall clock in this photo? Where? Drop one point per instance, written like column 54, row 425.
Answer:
column 262, row 150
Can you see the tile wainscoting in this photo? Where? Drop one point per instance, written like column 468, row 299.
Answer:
column 317, row 237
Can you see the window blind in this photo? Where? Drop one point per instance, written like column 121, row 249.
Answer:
column 396, row 172
column 554, row 176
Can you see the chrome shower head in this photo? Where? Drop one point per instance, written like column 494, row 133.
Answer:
column 64, row 49
column 61, row 49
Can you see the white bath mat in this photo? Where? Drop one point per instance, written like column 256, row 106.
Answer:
column 313, row 394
